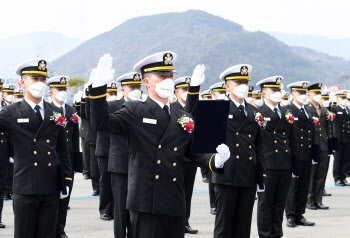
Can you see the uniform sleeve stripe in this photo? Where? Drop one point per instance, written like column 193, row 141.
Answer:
column 69, row 179
column 210, row 163
column 99, row 96
column 191, row 93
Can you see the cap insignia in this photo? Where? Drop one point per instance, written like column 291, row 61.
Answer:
column 168, row 59
column 244, row 70
column 137, row 77
column 42, row 65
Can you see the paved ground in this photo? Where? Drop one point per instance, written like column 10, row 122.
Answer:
column 83, row 218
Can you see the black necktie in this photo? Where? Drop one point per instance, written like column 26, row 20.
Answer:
column 276, row 112
column 303, row 112
column 166, row 110
column 241, row 109
column 63, row 111
column 38, row 114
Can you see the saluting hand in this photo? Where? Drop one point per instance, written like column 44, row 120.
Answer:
column 198, row 75
column 222, row 156
column 104, row 72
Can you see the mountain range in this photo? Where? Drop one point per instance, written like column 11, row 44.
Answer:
column 16, row 49
column 200, row 37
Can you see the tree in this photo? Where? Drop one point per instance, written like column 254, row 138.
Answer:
column 76, row 84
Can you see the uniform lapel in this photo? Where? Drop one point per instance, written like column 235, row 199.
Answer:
column 175, row 114
column 283, row 119
column 47, row 113
column 158, row 113
column 28, row 112
column 250, row 114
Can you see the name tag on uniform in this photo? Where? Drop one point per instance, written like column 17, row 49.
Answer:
column 230, row 116
column 23, row 120
column 267, row 119
column 295, row 118
column 149, row 121
column 339, row 112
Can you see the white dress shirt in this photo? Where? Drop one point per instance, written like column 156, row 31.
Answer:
column 59, row 106
column 237, row 105
column 161, row 104
column 300, row 107
column 32, row 105
column 273, row 108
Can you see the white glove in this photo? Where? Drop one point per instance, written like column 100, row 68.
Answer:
column 85, row 87
column 259, row 190
column 314, row 162
column 294, row 176
column 222, row 156
column 11, row 160
column 198, row 75
column 77, row 96
column 62, row 196
column 104, row 72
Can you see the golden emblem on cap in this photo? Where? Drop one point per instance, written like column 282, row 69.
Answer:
column 10, row 87
column 20, row 91
column 210, row 92
column 244, row 70
column 259, row 93
column 168, row 59
column 113, row 85
column 278, row 80
column 137, row 77
column 223, row 85
column 42, row 65
column 345, row 92
column 327, row 93
column 319, row 85
column 63, row 80
column 304, row 85
column 188, row 80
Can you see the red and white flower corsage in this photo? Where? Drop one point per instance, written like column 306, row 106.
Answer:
column 330, row 115
column 289, row 117
column 316, row 121
column 58, row 119
column 260, row 119
column 186, row 123
column 74, row 118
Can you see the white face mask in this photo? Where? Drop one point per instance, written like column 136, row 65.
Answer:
column 221, row 97
column 184, row 96
column 249, row 100
column 348, row 104
column 165, row 88
column 61, row 96
column 285, row 103
column 326, row 103
column 19, row 100
column 317, row 98
column 241, row 91
column 112, row 98
column 276, row 97
column 303, row 99
column 0, row 95
column 135, row 95
column 38, row 89
column 10, row 98
column 259, row 103
column 343, row 102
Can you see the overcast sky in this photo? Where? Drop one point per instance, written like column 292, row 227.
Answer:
column 84, row 19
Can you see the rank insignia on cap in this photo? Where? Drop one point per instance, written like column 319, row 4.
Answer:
column 137, row 77
column 20, row 91
column 304, row 85
column 63, row 80
column 188, row 80
column 113, row 85
column 259, row 93
column 345, row 92
column 278, row 80
column 210, row 92
column 10, row 87
column 244, row 70
column 42, row 65
column 223, row 85
column 168, row 59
